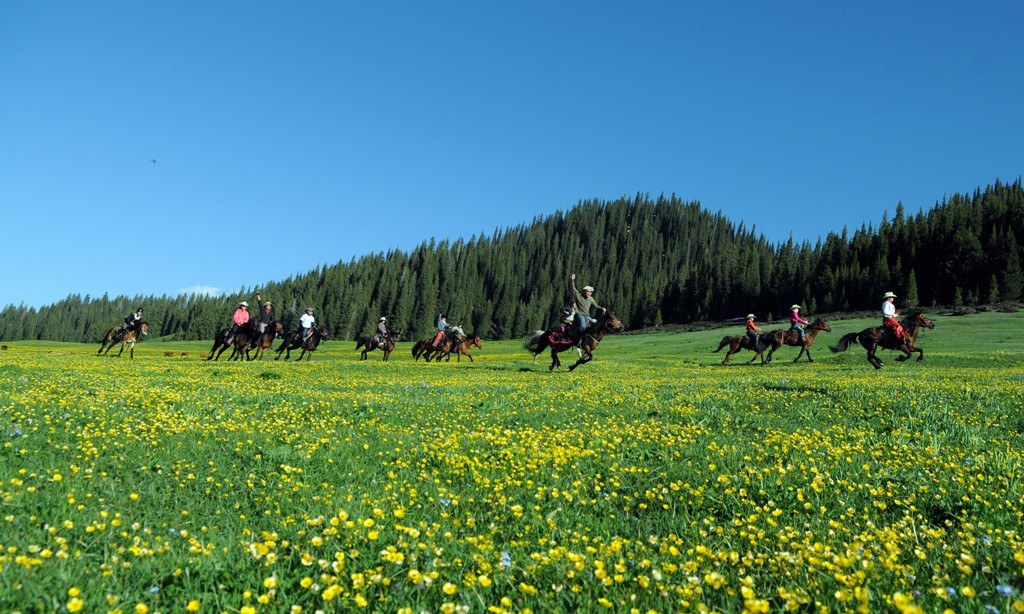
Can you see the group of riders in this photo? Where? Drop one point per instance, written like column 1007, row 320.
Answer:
column 796, row 324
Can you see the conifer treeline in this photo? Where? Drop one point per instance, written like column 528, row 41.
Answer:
column 652, row 260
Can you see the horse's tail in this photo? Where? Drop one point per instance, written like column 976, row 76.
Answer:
column 534, row 341
column 725, row 342
column 359, row 343
column 417, row 349
column 845, row 342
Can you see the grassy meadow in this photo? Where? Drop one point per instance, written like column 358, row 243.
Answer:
column 652, row 479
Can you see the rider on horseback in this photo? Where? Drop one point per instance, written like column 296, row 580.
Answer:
column 796, row 322
column 442, row 328
column 132, row 321
column 240, row 319
column 266, row 315
column 382, row 331
column 753, row 332
column 307, row 321
column 582, row 305
column 889, row 321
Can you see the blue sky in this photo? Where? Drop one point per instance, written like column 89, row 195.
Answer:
column 151, row 147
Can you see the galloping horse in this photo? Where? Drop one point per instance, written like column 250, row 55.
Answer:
column 878, row 336
column 370, row 344
column 778, row 338
column 426, row 349
column 274, row 330
column 540, row 340
column 460, row 347
column 114, row 335
column 245, row 335
column 742, row 342
column 294, row 341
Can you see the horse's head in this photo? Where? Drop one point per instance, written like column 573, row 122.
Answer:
column 278, row 329
column 819, row 324
column 322, row 332
column 144, row 328
column 475, row 340
column 611, row 322
column 917, row 318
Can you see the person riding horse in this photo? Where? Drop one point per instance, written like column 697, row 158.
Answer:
column 239, row 319
column 582, row 305
column 796, row 322
column 266, row 316
column 308, row 322
column 132, row 321
column 753, row 332
column 382, row 331
column 889, row 322
column 442, row 329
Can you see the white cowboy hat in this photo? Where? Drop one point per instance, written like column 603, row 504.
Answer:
column 382, row 319
column 243, row 304
column 268, row 304
column 795, row 307
column 590, row 288
column 750, row 316
column 889, row 295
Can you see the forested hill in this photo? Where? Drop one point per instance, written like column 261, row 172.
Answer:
column 652, row 260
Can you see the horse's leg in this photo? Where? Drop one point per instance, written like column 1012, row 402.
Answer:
column 585, row 357
column 808, row 350
column 131, row 350
column 802, row 348
column 469, row 356
column 728, row 353
column 122, row 347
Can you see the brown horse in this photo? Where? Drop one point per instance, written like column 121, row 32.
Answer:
column 294, row 341
column 274, row 330
column 370, row 344
column 243, row 337
column 116, row 334
column 540, row 340
column 779, row 338
column 428, row 352
column 879, row 336
column 742, row 342
column 461, row 347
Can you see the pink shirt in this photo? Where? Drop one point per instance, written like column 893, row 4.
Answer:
column 796, row 319
column 241, row 316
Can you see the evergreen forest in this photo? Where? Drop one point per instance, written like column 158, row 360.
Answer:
column 652, row 260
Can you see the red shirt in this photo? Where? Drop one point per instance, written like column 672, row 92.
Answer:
column 241, row 316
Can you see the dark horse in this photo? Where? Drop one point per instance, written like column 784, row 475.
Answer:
column 370, row 344
column 244, row 336
column 426, row 349
column 262, row 343
column 779, row 338
column 460, row 347
column 118, row 334
column 879, row 336
column 540, row 340
column 742, row 342
column 293, row 341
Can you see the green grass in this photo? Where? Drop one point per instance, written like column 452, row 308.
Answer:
column 651, row 478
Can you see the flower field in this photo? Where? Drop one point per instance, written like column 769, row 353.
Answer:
column 651, row 479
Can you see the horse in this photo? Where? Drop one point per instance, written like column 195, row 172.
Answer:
column 117, row 333
column 872, row 338
column 426, row 349
column 274, row 330
column 370, row 344
column 540, row 340
column 742, row 342
column 294, row 341
column 778, row 338
column 460, row 347
column 245, row 334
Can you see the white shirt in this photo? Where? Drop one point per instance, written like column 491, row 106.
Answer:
column 307, row 320
column 888, row 310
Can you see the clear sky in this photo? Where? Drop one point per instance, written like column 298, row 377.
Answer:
column 151, row 147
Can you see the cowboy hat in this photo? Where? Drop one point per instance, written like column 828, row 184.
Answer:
column 889, row 295
column 750, row 316
column 309, row 309
column 243, row 304
column 795, row 307
column 588, row 288
column 382, row 319
column 267, row 304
